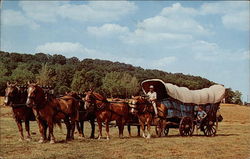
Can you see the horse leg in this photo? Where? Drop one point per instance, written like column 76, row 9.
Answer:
column 142, row 128
column 78, row 128
column 45, row 125
column 20, row 128
column 92, row 122
column 82, row 127
column 148, row 129
column 100, row 129
column 73, row 123
column 129, row 130
column 122, row 127
column 138, row 130
column 119, row 123
column 27, row 128
column 52, row 138
column 42, row 129
column 67, row 123
column 107, row 129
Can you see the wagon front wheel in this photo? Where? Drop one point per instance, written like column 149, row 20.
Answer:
column 186, row 127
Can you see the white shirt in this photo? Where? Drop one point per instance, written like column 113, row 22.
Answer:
column 152, row 95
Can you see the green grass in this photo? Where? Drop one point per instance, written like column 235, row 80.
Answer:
column 232, row 141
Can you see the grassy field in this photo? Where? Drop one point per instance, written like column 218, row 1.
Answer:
column 232, row 141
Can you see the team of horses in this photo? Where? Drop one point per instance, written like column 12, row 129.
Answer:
column 33, row 103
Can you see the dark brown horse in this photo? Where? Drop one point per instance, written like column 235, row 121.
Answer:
column 16, row 98
column 144, row 110
column 51, row 111
column 84, row 115
column 107, row 111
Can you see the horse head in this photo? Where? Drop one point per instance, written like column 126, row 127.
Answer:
column 138, row 104
column 35, row 95
column 10, row 93
column 94, row 99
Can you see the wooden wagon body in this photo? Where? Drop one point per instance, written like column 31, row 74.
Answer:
column 183, row 104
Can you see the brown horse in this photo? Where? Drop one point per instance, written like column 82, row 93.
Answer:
column 16, row 98
column 51, row 111
column 84, row 115
column 144, row 110
column 107, row 111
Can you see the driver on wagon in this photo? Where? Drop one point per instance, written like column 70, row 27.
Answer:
column 152, row 98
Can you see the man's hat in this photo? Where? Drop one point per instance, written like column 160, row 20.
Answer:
column 151, row 86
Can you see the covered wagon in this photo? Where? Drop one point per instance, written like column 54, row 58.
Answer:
column 183, row 103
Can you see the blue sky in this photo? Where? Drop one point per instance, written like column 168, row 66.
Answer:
column 209, row 39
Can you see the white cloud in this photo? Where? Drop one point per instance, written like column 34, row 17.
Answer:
column 104, row 11
column 65, row 48
column 70, row 49
column 205, row 51
column 140, row 36
column 177, row 10
column 172, row 23
column 239, row 20
column 44, row 11
column 50, row 11
column 108, row 30
column 234, row 15
column 15, row 18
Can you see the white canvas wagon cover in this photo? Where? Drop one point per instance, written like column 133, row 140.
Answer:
column 213, row 94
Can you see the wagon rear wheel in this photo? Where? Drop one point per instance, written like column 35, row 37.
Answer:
column 186, row 127
column 210, row 127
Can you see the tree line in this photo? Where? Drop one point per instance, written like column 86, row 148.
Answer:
column 112, row 79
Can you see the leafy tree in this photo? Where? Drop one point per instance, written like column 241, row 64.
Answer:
column 62, row 89
column 84, row 80
column 119, row 84
column 78, row 81
column 58, row 59
column 237, row 97
column 229, row 94
column 22, row 75
column 44, row 75
column 111, row 83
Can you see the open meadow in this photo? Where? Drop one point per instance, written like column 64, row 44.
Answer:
column 232, row 141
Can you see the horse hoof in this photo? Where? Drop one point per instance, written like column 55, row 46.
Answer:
column 21, row 139
column 28, row 139
column 41, row 141
column 52, row 141
column 107, row 138
column 81, row 137
column 99, row 138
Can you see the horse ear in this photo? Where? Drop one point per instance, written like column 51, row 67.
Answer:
column 8, row 83
column 28, row 82
column 133, row 96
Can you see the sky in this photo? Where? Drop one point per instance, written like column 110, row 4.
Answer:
column 208, row 39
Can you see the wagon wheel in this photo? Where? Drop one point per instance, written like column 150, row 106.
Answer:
column 186, row 127
column 210, row 127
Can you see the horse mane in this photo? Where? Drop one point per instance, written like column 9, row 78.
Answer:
column 100, row 97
